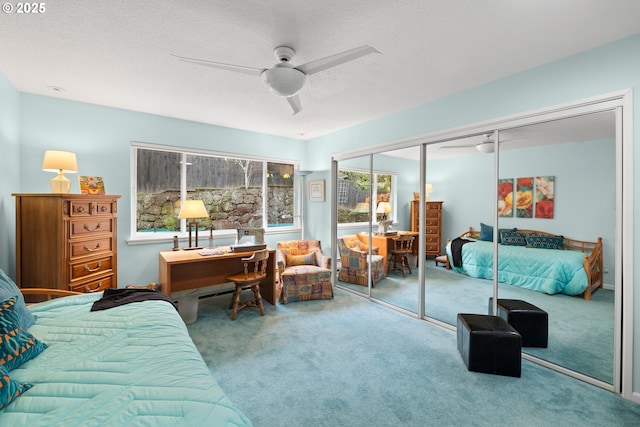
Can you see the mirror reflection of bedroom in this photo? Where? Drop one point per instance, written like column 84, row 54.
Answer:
column 557, row 186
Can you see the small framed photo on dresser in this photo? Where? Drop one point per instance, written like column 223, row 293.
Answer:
column 91, row 184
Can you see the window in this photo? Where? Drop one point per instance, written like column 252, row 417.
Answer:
column 237, row 192
column 354, row 194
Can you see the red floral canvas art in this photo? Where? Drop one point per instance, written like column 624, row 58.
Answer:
column 544, row 196
column 505, row 197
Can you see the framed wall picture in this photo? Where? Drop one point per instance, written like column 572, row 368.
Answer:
column 545, row 196
column 505, row 197
column 316, row 190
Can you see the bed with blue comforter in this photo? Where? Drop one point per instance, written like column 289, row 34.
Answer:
column 130, row 365
column 574, row 270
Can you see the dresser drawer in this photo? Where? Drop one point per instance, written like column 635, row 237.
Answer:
column 84, row 269
column 433, row 248
column 104, row 208
column 84, row 228
column 93, row 286
column 79, row 208
column 91, row 247
column 433, row 229
column 433, row 223
column 434, row 239
column 433, row 214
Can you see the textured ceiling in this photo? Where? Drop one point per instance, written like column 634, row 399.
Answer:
column 117, row 53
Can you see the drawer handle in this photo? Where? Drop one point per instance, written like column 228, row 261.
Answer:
column 103, row 208
column 88, row 289
column 92, row 250
column 91, row 270
column 80, row 209
column 96, row 228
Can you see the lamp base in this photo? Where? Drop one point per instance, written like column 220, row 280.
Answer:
column 60, row 184
column 192, row 248
column 383, row 226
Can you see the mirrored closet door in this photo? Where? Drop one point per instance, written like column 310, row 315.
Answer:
column 557, row 184
column 355, row 216
column 397, row 176
column 556, row 177
column 461, row 178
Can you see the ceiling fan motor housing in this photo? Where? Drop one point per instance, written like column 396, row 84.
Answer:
column 284, row 53
column 283, row 79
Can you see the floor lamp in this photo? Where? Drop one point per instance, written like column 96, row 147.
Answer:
column 303, row 174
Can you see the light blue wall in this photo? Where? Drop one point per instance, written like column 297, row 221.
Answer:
column 101, row 138
column 10, row 167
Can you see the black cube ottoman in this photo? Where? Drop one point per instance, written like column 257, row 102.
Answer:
column 531, row 321
column 489, row 344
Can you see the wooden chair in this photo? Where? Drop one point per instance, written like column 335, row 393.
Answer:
column 255, row 269
column 402, row 248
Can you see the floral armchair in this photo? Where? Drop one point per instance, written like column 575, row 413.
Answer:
column 305, row 272
column 353, row 261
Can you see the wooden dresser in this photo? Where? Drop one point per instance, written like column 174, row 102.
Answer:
column 66, row 241
column 433, row 226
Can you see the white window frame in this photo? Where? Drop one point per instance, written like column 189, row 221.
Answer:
column 392, row 197
column 137, row 237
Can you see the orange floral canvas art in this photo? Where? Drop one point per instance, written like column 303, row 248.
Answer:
column 524, row 197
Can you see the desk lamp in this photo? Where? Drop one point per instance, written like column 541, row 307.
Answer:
column 190, row 210
column 384, row 208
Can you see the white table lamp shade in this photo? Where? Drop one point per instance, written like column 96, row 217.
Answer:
column 193, row 209
column 60, row 162
column 384, row 208
column 428, row 188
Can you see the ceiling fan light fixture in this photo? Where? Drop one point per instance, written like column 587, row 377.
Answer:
column 485, row 147
column 283, row 80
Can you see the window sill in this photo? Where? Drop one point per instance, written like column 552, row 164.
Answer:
column 153, row 238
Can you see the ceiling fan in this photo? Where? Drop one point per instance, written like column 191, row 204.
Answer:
column 283, row 79
column 485, row 146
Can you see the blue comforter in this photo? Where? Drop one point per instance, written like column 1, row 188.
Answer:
column 544, row 270
column 126, row 366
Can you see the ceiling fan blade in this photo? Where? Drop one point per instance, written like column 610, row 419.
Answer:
column 229, row 67
column 337, row 59
column 444, row 147
column 294, row 101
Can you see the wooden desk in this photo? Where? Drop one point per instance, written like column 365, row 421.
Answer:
column 385, row 244
column 182, row 270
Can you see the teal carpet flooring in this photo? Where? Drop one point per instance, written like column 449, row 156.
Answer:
column 581, row 335
column 350, row 362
